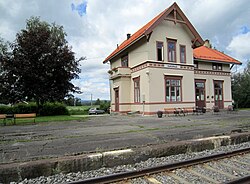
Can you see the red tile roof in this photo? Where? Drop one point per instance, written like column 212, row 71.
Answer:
column 205, row 53
column 134, row 37
column 148, row 28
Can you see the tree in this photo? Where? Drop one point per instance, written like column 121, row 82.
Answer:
column 241, row 87
column 43, row 64
column 105, row 105
column 7, row 80
column 97, row 102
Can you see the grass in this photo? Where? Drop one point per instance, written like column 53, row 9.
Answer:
column 43, row 119
column 248, row 109
column 80, row 110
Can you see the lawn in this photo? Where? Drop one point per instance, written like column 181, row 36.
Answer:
column 80, row 110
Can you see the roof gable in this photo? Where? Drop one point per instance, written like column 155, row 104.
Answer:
column 208, row 54
column 173, row 13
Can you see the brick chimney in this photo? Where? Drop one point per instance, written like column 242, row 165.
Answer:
column 128, row 36
column 207, row 44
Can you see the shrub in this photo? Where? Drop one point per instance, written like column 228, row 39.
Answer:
column 51, row 109
column 105, row 105
column 4, row 109
column 47, row 109
column 22, row 108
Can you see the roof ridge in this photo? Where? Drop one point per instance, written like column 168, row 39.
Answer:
column 148, row 28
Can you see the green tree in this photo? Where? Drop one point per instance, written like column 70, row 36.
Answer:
column 105, row 105
column 7, row 78
column 97, row 102
column 241, row 87
column 43, row 63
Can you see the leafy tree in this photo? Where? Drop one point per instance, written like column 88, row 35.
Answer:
column 241, row 87
column 97, row 102
column 43, row 64
column 105, row 105
column 7, row 79
column 73, row 101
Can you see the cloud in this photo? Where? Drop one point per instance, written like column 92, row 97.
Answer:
column 94, row 27
column 239, row 46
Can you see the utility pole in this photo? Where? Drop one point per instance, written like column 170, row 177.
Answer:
column 91, row 99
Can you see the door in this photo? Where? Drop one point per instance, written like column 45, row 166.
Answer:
column 117, row 99
column 218, row 94
column 200, row 93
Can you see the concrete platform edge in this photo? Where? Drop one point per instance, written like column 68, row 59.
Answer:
column 19, row 171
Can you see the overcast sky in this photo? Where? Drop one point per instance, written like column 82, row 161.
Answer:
column 94, row 27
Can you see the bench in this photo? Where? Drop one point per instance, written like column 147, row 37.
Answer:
column 25, row 116
column 175, row 111
column 187, row 110
column 3, row 117
column 169, row 111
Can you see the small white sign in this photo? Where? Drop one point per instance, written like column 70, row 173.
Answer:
column 171, row 66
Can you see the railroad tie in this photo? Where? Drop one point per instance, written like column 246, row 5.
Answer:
column 220, row 171
column 235, row 168
column 202, row 176
column 152, row 180
column 173, row 175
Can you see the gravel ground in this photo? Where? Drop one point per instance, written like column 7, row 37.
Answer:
column 65, row 178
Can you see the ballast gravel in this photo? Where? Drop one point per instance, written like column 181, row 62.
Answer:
column 66, row 178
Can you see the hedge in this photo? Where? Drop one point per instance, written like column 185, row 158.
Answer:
column 47, row 109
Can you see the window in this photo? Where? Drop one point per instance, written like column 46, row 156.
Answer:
column 217, row 66
column 173, row 89
column 172, row 50
column 124, row 60
column 196, row 64
column 159, row 46
column 182, row 54
column 137, row 90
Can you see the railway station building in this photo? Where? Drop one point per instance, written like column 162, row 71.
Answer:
column 166, row 64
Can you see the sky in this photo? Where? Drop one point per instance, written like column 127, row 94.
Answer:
column 95, row 27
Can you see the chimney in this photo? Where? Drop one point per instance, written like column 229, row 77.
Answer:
column 207, row 44
column 128, row 36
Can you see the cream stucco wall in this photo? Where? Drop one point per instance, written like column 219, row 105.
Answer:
column 168, row 29
column 208, row 66
column 227, row 94
column 152, row 79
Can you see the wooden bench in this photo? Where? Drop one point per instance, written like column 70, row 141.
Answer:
column 175, row 111
column 187, row 110
column 25, row 116
column 169, row 111
column 3, row 117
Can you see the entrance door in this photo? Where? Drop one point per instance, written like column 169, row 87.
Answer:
column 218, row 94
column 117, row 99
column 200, row 96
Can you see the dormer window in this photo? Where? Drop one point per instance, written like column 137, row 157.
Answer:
column 159, row 46
column 124, row 61
column 171, row 50
column 217, row 66
column 195, row 64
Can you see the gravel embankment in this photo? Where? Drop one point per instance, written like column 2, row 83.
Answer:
column 65, row 178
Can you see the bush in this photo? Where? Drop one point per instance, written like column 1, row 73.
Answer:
column 47, row 109
column 4, row 109
column 22, row 108
column 105, row 105
column 51, row 109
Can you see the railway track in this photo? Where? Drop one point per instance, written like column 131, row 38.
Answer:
column 231, row 168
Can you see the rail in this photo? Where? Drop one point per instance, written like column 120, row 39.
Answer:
column 166, row 168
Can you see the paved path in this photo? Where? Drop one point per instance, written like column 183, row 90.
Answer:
column 99, row 133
